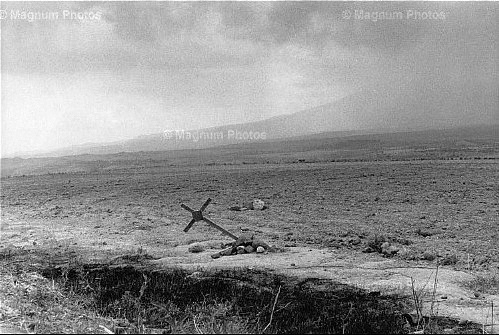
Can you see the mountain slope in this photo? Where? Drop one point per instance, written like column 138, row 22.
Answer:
column 457, row 143
column 417, row 108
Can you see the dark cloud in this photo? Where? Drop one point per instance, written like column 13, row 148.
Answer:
column 239, row 61
column 176, row 34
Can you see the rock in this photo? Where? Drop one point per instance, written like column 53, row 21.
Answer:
column 227, row 251
column 258, row 204
column 424, row 233
column 476, row 294
column 388, row 249
column 355, row 241
column 368, row 250
column 392, row 250
column 249, row 249
column 216, row 255
column 240, row 249
column 260, row 249
column 259, row 243
column 375, row 241
column 244, row 240
column 405, row 253
column 195, row 248
column 462, row 322
column 385, row 248
column 248, row 205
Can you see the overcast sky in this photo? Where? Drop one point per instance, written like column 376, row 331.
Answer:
column 131, row 68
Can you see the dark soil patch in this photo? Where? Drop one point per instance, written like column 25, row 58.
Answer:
column 162, row 299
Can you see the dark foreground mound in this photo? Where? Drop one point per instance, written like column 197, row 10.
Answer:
column 135, row 297
column 231, row 301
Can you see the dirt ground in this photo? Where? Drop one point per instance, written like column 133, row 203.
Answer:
column 322, row 216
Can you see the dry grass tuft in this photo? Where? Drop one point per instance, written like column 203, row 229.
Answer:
column 36, row 304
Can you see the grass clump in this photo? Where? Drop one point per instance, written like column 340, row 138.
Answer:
column 196, row 248
column 36, row 304
column 376, row 241
column 487, row 284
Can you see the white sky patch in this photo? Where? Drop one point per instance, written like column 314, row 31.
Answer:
column 40, row 113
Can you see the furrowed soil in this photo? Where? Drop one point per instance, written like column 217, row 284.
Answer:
column 327, row 221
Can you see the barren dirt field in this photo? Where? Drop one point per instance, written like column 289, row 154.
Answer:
column 327, row 220
column 322, row 205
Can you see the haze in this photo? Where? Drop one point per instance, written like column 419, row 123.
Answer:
column 142, row 68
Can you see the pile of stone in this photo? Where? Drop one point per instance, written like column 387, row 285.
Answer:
column 246, row 244
column 382, row 247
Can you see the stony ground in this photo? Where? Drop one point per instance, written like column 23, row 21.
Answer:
column 445, row 208
column 429, row 211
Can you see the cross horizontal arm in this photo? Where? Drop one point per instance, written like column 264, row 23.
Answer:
column 225, row 232
column 186, row 208
column 207, row 202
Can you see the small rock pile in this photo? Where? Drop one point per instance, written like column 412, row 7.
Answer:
column 379, row 244
column 245, row 244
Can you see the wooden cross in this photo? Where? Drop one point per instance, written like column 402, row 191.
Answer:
column 198, row 216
